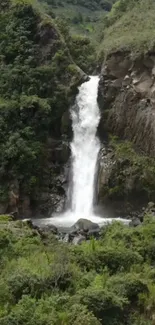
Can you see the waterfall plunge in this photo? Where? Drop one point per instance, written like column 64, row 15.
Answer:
column 85, row 147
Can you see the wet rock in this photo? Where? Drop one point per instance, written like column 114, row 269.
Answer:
column 29, row 223
column 61, row 154
column 135, row 222
column 14, row 215
column 66, row 239
column 151, row 205
column 59, row 151
column 107, row 164
column 83, row 76
column 73, row 232
column 25, row 208
column 13, row 202
column 3, row 207
column 46, row 230
column 84, row 224
column 150, row 209
column 50, row 229
column 78, row 240
column 66, row 124
column 94, row 232
column 52, row 202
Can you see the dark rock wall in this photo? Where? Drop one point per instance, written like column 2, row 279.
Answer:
column 127, row 99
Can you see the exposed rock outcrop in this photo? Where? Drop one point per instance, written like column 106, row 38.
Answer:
column 85, row 225
column 127, row 102
column 120, row 184
column 127, row 98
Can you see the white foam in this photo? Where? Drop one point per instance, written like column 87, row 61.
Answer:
column 85, row 147
column 68, row 219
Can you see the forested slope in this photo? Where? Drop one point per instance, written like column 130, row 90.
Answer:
column 37, row 79
column 82, row 16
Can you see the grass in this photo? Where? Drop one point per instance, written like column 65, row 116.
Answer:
column 133, row 31
column 85, row 27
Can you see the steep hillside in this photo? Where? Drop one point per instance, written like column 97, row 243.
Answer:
column 37, row 80
column 127, row 96
column 82, row 16
column 129, row 26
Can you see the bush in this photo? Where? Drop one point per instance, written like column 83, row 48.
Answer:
column 104, row 304
column 101, row 257
column 34, row 94
column 44, row 283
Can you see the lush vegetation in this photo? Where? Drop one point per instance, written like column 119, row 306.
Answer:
column 81, row 48
column 90, row 4
column 44, row 282
column 130, row 26
column 132, row 175
column 37, row 80
column 82, row 16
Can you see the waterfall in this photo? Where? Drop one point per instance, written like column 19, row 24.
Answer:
column 85, row 147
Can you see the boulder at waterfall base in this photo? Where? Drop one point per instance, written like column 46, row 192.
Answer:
column 77, row 240
column 85, row 225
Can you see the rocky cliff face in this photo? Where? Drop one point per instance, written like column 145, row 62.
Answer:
column 127, row 103
column 127, row 98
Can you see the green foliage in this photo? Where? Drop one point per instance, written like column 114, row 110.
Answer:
column 4, row 218
column 99, row 257
column 34, row 92
column 90, row 4
column 105, row 304
column 136, row 169
column 82, row 16
column 81, row 48
column 123, row 28
column 52, row 283
column 83, row 52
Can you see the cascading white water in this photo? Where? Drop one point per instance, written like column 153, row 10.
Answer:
column 85, row 148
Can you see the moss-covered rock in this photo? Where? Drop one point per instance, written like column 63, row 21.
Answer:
column 128, row 175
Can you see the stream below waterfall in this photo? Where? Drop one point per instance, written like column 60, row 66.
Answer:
column 85, row 147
